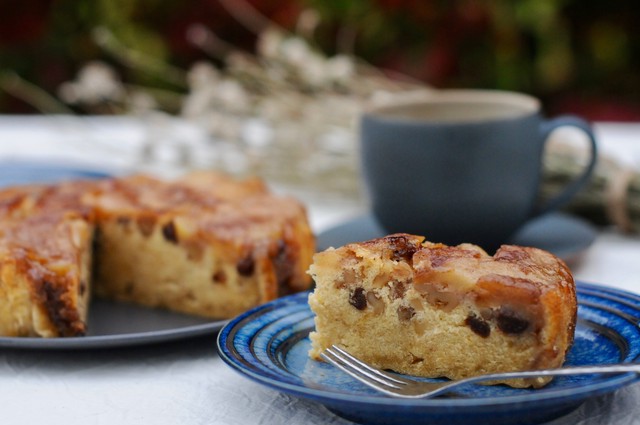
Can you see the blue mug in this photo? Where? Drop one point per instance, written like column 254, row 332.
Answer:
column 461, row 165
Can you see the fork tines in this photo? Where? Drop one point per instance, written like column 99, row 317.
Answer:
column 376, row 378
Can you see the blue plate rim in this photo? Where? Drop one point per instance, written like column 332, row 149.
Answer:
column 587, row 391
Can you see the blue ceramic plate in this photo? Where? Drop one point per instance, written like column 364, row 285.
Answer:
column 269, row 344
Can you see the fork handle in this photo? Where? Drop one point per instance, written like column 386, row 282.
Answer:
column 563, row 371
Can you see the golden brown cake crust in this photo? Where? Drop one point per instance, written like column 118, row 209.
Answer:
column 44, row 263
column 207, row 207
column 202, row 244
column 435, row 310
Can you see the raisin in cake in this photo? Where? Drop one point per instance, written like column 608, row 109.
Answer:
column 434, row 310
column 203, row 244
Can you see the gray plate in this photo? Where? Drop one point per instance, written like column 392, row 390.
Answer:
column 113, row 324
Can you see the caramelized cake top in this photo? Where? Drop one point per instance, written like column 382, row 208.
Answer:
column 465, row 266
column 44, row 222
column 42, row 227
column 510, row 283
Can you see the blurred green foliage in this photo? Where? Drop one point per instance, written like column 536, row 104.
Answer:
column 579, row 56
column 546, row 47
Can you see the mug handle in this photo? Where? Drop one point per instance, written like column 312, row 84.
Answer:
column 572, row 188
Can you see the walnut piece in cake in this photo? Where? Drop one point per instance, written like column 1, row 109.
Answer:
column 433, row 310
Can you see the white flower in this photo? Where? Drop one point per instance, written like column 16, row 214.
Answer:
column 313, row 71
column 141, row 101
column 257, row 133
column 198, row 102
column 209, row 90
column 269, row 43
column 308, row 22
column 230, row 94
column 96, row 82
column 340, row 68
column 295, row 51
column 201, row 75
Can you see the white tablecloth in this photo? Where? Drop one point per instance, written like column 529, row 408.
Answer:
column 186, row 382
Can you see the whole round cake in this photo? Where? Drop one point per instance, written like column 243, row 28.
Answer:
column 202, row 244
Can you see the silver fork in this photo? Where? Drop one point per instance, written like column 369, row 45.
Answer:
column 400, row 386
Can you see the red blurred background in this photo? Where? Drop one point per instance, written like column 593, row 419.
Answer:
column 578, row 56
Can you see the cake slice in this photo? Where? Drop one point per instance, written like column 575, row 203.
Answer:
column 434, row 310
column 45, row 262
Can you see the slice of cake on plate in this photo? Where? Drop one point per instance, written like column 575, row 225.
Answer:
column 434, row 310
column 45, row 261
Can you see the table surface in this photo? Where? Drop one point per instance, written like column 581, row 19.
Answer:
column 186, row 381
